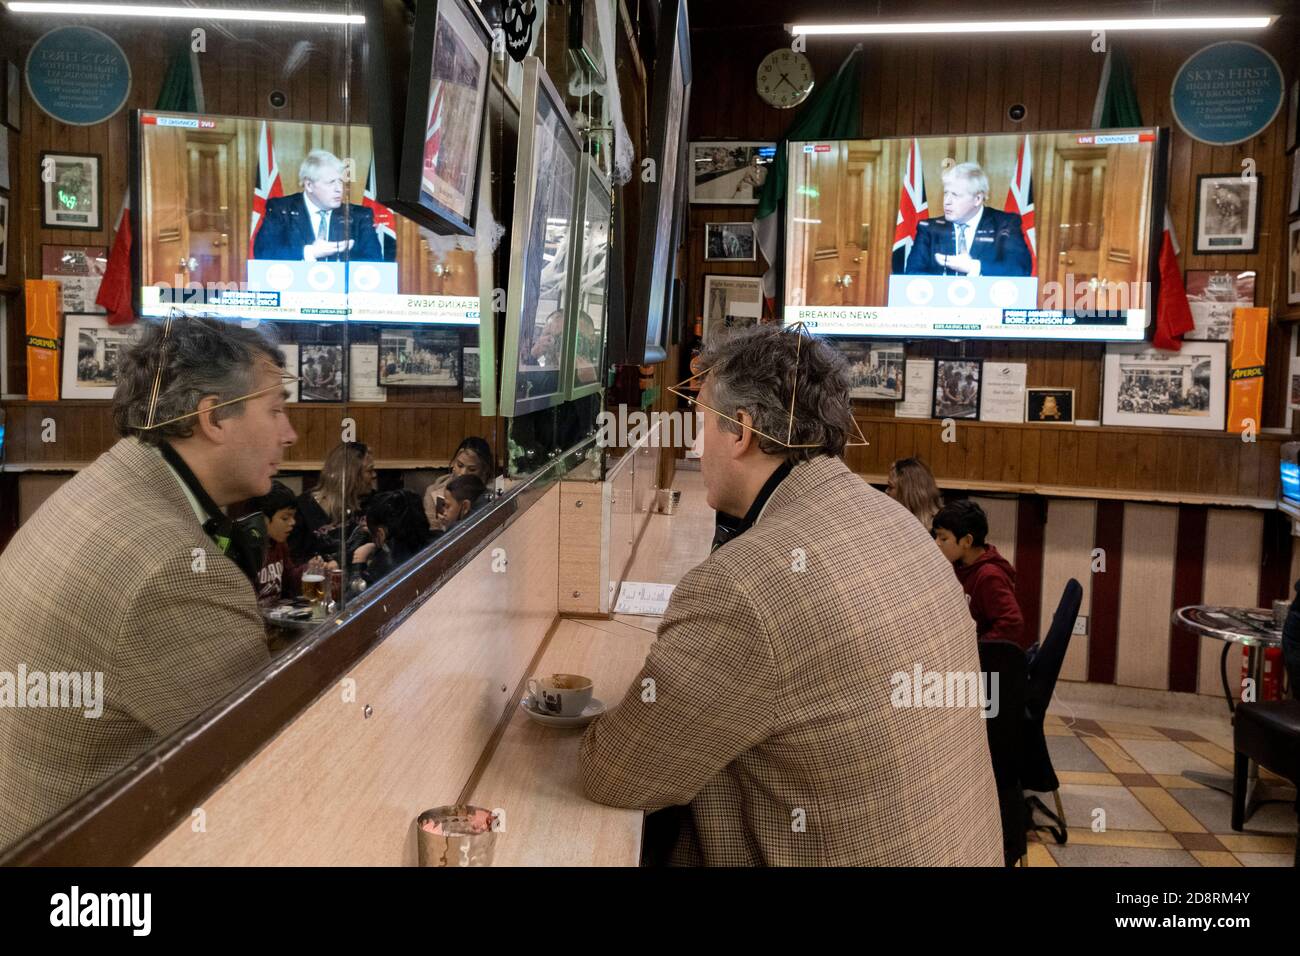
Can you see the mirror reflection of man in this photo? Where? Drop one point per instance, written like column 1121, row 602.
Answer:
column 970, row 238
column 311, row 226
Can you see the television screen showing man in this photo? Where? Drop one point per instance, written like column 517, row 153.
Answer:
column 970, row 238
column 311, row 226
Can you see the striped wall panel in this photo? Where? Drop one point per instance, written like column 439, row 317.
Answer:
column 1146, row 595
column 1233, row 540
column 1067, row 553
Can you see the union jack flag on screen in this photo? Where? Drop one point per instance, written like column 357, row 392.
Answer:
column 912, row 207
column 385, row 221
column 1020, row 200
column 268, row 184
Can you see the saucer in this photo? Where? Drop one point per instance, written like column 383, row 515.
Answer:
column 593, row 710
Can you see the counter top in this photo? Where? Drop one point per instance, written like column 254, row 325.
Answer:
column 532, row 774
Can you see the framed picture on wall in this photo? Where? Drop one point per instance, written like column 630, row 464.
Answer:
column 320, row 373
column 13, row 95
column 4, row 235
column 471, row 381
column 1212, row 295
column 74, row 192
column 584, row 37
column 730, row 242
column 4, row 158
column 414, row 357
column 91, row 348
column 1293, row 205
column 1293, row 263
column 1152, row 388
column 1053, row 406
column 1227, row 214
column 729, row 173
column 877, row 370
column 957, row 388
column 1292, row 114
column 731, row 302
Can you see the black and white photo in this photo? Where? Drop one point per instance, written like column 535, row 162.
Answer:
column 471, row 380
column 419, row 357
column 1227, row 214
column 877, row 370
column 730, row 242
column 1293, row 263
column 90, row 355
column 729, row 173
column 731, row 302
column 1153, row 388
column 1212, row 296
column 957, row 388
column 320, row 373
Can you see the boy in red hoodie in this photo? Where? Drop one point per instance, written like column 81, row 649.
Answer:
column 988, row 579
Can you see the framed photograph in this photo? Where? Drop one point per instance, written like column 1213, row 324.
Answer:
column 657, row 241
column 446, row 100
column 5, row 182
column 957, row 388
column 729, row 173
column 13, row 95
column 1212, row 296
column 4, row 235
column 877, row 370
column 91, row 348
column 731, row 302
column 584, row 37
column 74, row 192
column 730, row 242
column 1227, row 214
column 541, row 242
column 1293, row 204
column 471, row 381
column 1293, row 263
column 1151, row 388
column 1292, row 114
column 590, row 283
column 1054, row 406
column 416, row 357
column 320, row 373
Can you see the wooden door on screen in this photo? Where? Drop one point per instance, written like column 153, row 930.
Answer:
column 1078, row 202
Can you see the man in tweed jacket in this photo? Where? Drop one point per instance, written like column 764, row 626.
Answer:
column 767, row 702
column 116, row 575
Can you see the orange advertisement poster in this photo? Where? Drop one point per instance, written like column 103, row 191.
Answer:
column 43, row 334
column 1246, row 379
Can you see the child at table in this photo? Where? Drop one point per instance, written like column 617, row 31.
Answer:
column 988, row 579
column 279, row 577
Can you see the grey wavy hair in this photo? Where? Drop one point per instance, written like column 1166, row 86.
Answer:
column 200, row 357
column 754, row 369
column 317, row 162
column 973, row 175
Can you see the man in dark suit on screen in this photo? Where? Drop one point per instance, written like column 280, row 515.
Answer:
column 309, row 226
column 969, row 238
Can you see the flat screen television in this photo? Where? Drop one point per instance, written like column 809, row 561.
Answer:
column 1044, row 236
column 225, row 226
column 1288, row 494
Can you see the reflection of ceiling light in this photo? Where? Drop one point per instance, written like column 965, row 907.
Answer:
column 812, row 222
column 184, row 13
column 1255, row 22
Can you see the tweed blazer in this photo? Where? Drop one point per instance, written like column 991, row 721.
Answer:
column 767, row 701
column 114, row 574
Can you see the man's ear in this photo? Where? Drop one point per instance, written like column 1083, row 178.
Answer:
column 211, row 430
column 746, row 437
column 967, row 541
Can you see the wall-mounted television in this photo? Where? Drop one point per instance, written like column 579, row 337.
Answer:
column 226, row 224
column 1288, row 489
column 1045, row 236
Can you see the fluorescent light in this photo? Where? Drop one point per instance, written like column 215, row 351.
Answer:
column 185, row 13
column 1033, row 26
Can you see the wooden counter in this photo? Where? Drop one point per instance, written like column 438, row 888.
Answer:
column 532, row 773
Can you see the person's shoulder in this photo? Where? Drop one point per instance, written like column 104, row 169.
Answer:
column 360, row 213
column 283, row 203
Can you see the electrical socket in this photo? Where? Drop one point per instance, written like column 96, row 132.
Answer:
column 1081, row 625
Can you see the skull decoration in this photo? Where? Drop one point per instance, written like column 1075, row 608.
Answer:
column 518, row 25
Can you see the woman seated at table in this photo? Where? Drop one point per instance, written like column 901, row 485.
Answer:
column 473, row 457
column 331, row 513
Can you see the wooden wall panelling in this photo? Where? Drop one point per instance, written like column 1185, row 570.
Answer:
column 1146, row 596
column 1067, row 553
column 1231, row 578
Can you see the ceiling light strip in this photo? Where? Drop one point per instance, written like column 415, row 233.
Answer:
column 185, row 13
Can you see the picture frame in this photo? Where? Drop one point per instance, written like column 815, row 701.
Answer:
column 584, row 38
column 418, row 357
column 731, row 302
column 320, row 372
column 1052, row 406
column 446, row 101
column 958, row 383
column 1293, row 203
column 1151, row 388
column 1293, row 263
column 4, row 235
column 471, row 378
column 541, row 243
column 729, row 172
column 1227, row 214
column 73, row 194
column 730, row 242
column 877, row 369
column 657, row 240
column 1212, row 295
column 587, row 322
column 13, row 96
column 5, row 181
column 90, row 352
column 1292, row 114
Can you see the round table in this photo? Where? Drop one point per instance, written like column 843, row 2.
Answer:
column 1253, row 628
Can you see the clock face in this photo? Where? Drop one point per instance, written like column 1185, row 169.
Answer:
column 785, row 78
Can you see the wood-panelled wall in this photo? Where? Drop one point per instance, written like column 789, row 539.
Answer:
column 945, row 85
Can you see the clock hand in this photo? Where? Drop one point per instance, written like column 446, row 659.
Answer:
column 785, row 78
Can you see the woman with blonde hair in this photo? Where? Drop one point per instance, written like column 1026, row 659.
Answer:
column 912, row 485
column 331, row 513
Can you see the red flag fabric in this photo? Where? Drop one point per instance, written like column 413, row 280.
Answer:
column 1173, row 314
column 1020, row 200
column 385, row 221
column 268, row 185
column 115, row 293
column 912, row 207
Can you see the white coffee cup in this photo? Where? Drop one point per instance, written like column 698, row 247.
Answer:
column 566, row 695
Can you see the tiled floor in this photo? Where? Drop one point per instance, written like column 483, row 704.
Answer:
column 1127, row 803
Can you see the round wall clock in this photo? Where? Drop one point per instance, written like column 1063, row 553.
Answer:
column 785, row 78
